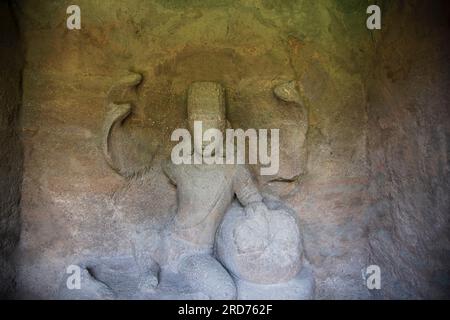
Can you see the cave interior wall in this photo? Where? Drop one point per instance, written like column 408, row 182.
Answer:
column 370, row 187
column 11, row 59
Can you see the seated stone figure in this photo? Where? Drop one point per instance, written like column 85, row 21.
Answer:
column 261, row 248
column 205, row 191
column 224, row 241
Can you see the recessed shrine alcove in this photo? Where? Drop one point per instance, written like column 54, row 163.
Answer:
column 364, row 140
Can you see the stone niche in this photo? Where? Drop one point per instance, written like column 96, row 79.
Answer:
column 364, row 133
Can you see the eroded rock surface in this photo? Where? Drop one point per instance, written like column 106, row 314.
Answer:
column 408, row 153
column 11, row 156
column 368, row 176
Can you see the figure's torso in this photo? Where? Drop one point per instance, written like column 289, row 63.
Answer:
column 204, row 194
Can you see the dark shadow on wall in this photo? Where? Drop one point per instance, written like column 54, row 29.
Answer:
column 11, row 154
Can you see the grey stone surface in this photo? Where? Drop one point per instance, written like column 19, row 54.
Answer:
column 114, row 277
column 90, row 289
column 301, row 287
column 263, row 251
column 262, row 246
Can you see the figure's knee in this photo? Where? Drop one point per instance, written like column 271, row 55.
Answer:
column 207, row 275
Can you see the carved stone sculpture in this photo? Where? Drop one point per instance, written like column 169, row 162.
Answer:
column 204, row 194
column 224, row 241
column 263, row 251
column 260, row 246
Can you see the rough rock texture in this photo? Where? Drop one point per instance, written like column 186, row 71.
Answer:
column 371, row 185
column 10, row 145
column 408, row 152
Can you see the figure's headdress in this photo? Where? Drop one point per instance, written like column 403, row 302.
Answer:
column 206, row 101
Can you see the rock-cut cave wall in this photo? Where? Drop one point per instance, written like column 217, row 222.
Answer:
column 10, row 145
column 408, row 145
column 370, row 185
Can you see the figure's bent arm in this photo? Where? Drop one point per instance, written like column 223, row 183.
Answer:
column 245, row 188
